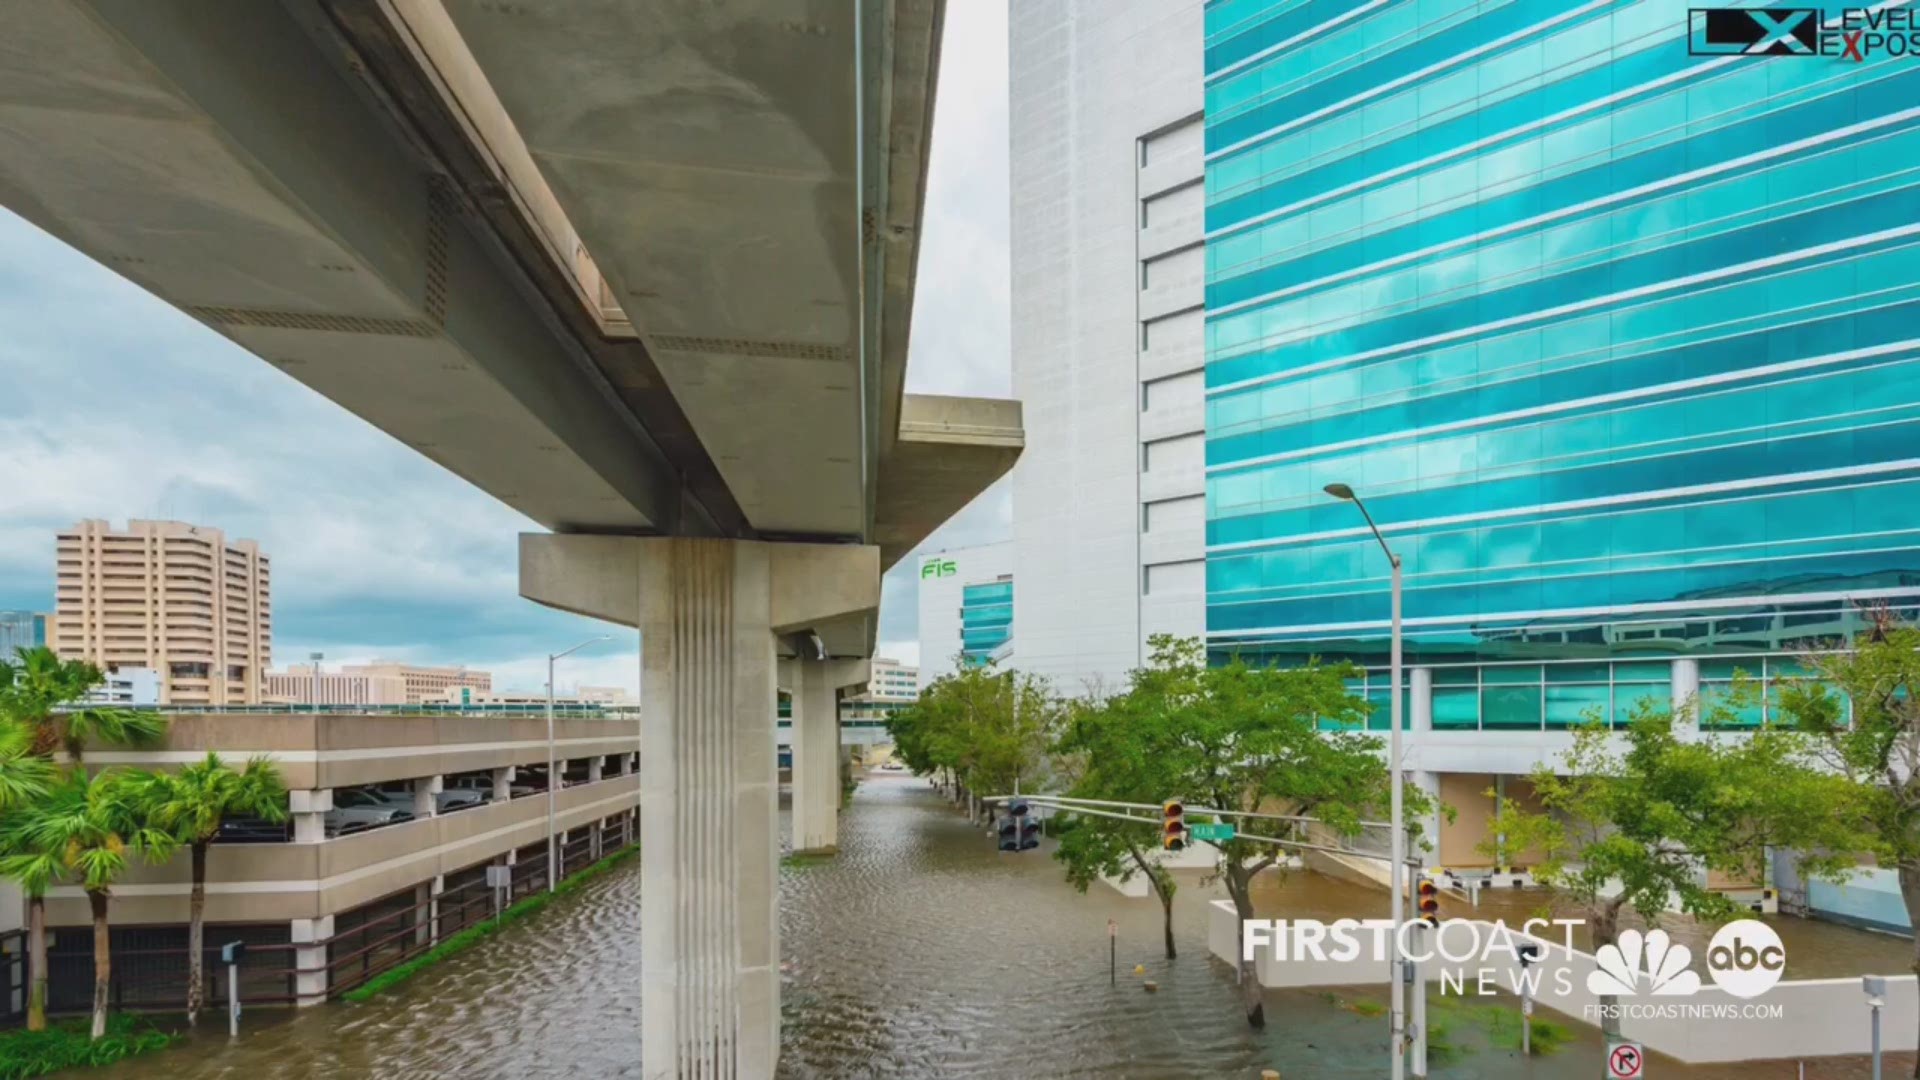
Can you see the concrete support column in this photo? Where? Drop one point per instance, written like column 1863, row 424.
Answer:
column 595, row 768
column 427, row 932
column 503, row 783
column 310, row 959
column 1420, row 695
column 308, row 809
column 709, row 614
column 1686, row 692
column 424, row 790
column 815, row 686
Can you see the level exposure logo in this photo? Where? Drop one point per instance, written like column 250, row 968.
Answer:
column 1852, row 34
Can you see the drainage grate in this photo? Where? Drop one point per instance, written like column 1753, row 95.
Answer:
column 300, row 320
column 789, row 350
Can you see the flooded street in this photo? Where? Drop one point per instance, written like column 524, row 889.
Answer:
column 919, row 952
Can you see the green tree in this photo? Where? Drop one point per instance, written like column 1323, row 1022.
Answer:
column 1111, row 758
column 1243, row 738
column 1634, row 818
column 42, row 691
column 83, row 830
column 190, row 806
column 983, row 727
column 1874, row 745
column 24, row 778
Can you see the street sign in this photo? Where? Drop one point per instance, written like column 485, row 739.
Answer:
column 1210, row 832
column 1625, row 1061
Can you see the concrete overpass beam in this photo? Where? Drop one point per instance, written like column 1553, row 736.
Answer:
column 710, row 613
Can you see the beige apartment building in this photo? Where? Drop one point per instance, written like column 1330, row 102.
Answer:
column 422, row 684
column 177, row 598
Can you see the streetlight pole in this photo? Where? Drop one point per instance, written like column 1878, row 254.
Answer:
column 1397, row 871
column 316, row 658
column 553, row 778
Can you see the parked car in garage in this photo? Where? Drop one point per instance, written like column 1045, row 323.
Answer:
column 358, row 809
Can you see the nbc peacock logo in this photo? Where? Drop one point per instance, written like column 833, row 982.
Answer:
column 1651, row 960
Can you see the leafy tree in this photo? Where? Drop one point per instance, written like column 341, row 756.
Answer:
column 1630, row 819
column 37, row 683
column 1111, row 758
column 82, row 830
column 1875, row 746
column 190, row 806
column 1242, row 738
column 984, row 727
column 24, row 778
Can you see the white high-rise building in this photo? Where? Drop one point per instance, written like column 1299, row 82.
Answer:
column 966, row 608
column 1108, row 497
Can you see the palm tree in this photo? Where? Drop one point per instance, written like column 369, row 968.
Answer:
column 24, row 777
column 190, row 805
column 36, row 683
column 83, row 830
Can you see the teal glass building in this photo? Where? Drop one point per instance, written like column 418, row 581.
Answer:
column 986, row 619
column 1620, row 344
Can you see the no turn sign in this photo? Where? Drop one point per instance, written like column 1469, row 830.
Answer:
column 1625, row 1061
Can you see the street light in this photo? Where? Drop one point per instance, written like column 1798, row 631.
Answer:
column 1396, row 873
column 553, row 778
column 316, row 658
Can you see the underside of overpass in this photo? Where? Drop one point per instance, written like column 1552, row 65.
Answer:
column 643, row 271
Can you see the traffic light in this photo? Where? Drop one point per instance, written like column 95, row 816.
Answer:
column 1010, row 828
column 1173, row 833
column 1029, row 830
column 1429, row 902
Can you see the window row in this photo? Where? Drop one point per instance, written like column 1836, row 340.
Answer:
column 1408, row 305
column 1752, row 528
column 1742, row 199
column 1633, row 105
column 1516, row 372
column 1835, row 573
column 1854, row 277
column 1694, row 420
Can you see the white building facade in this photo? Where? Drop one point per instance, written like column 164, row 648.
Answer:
column 966, row 608
column 1108, row 264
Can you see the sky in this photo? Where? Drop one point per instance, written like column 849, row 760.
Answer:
column 114, row 405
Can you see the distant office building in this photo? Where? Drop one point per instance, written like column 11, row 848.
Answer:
column 966, row 608
column 177, row 598
column 1108, row 290
column 423, row 683
column 298, row 685
column 128, row 688
column 601, row 696
column 22, row 630
column 890, row 686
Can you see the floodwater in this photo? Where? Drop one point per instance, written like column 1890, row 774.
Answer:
column 919, row 952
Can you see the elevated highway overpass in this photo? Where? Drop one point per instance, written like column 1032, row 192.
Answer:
column 641, row 269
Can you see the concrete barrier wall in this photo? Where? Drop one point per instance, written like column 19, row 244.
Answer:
column 1817, row 1017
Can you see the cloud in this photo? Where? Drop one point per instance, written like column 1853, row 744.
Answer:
column 115, row 405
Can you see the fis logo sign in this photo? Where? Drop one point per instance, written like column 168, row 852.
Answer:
column 1851, row 34
column 937, row 568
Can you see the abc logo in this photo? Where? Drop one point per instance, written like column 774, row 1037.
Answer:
column 1746, row 958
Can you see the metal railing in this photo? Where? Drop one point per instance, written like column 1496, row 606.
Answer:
column 570, row 712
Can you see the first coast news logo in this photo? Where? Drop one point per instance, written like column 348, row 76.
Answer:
column 1642, row 975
